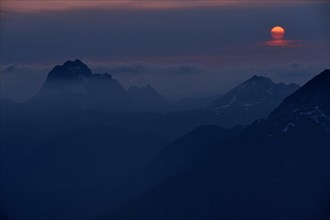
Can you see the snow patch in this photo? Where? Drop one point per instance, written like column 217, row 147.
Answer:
column 291, row 124
column 316, row 115
column 319, row 117
column 231, row 101
column 246, row 105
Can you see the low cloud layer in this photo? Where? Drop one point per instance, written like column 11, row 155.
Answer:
column 144, row 68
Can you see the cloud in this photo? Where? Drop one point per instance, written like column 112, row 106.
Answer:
column 14, row 68
column 21, row 81
column 54, row 5
column 282, row 43
column 144, row 68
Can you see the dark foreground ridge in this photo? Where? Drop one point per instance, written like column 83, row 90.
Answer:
column 277, row 168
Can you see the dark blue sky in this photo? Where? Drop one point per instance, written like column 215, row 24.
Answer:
column 180, row 47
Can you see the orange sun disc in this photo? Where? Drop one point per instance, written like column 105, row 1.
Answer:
column 277, row 32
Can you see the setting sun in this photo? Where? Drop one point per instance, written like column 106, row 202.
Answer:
column 277, row 32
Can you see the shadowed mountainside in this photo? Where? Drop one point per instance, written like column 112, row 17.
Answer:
column 276, row 168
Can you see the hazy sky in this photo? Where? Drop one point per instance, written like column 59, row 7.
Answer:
column 181, row 47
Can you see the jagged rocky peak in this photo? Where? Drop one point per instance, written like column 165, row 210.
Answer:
column 70, row 70
column 74, row 63
column 75, row 77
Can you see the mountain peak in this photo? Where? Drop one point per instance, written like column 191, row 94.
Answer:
column 256, row 77
column 70, row 70
column 255, row 84
column 76, row 62
column 259, row 79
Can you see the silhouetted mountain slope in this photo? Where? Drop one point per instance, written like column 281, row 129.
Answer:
column 314, row 95
column 278, row 168
column 188, row 150
column 76, row 165
column 178, row 157
column 253, row 99
column 188, row 104
column 147, row 99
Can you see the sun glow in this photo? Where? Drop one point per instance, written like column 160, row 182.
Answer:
column 278, row 40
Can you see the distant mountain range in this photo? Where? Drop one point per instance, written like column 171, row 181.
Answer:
column 147, row 99
column 276, row 168
column 72, row 86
